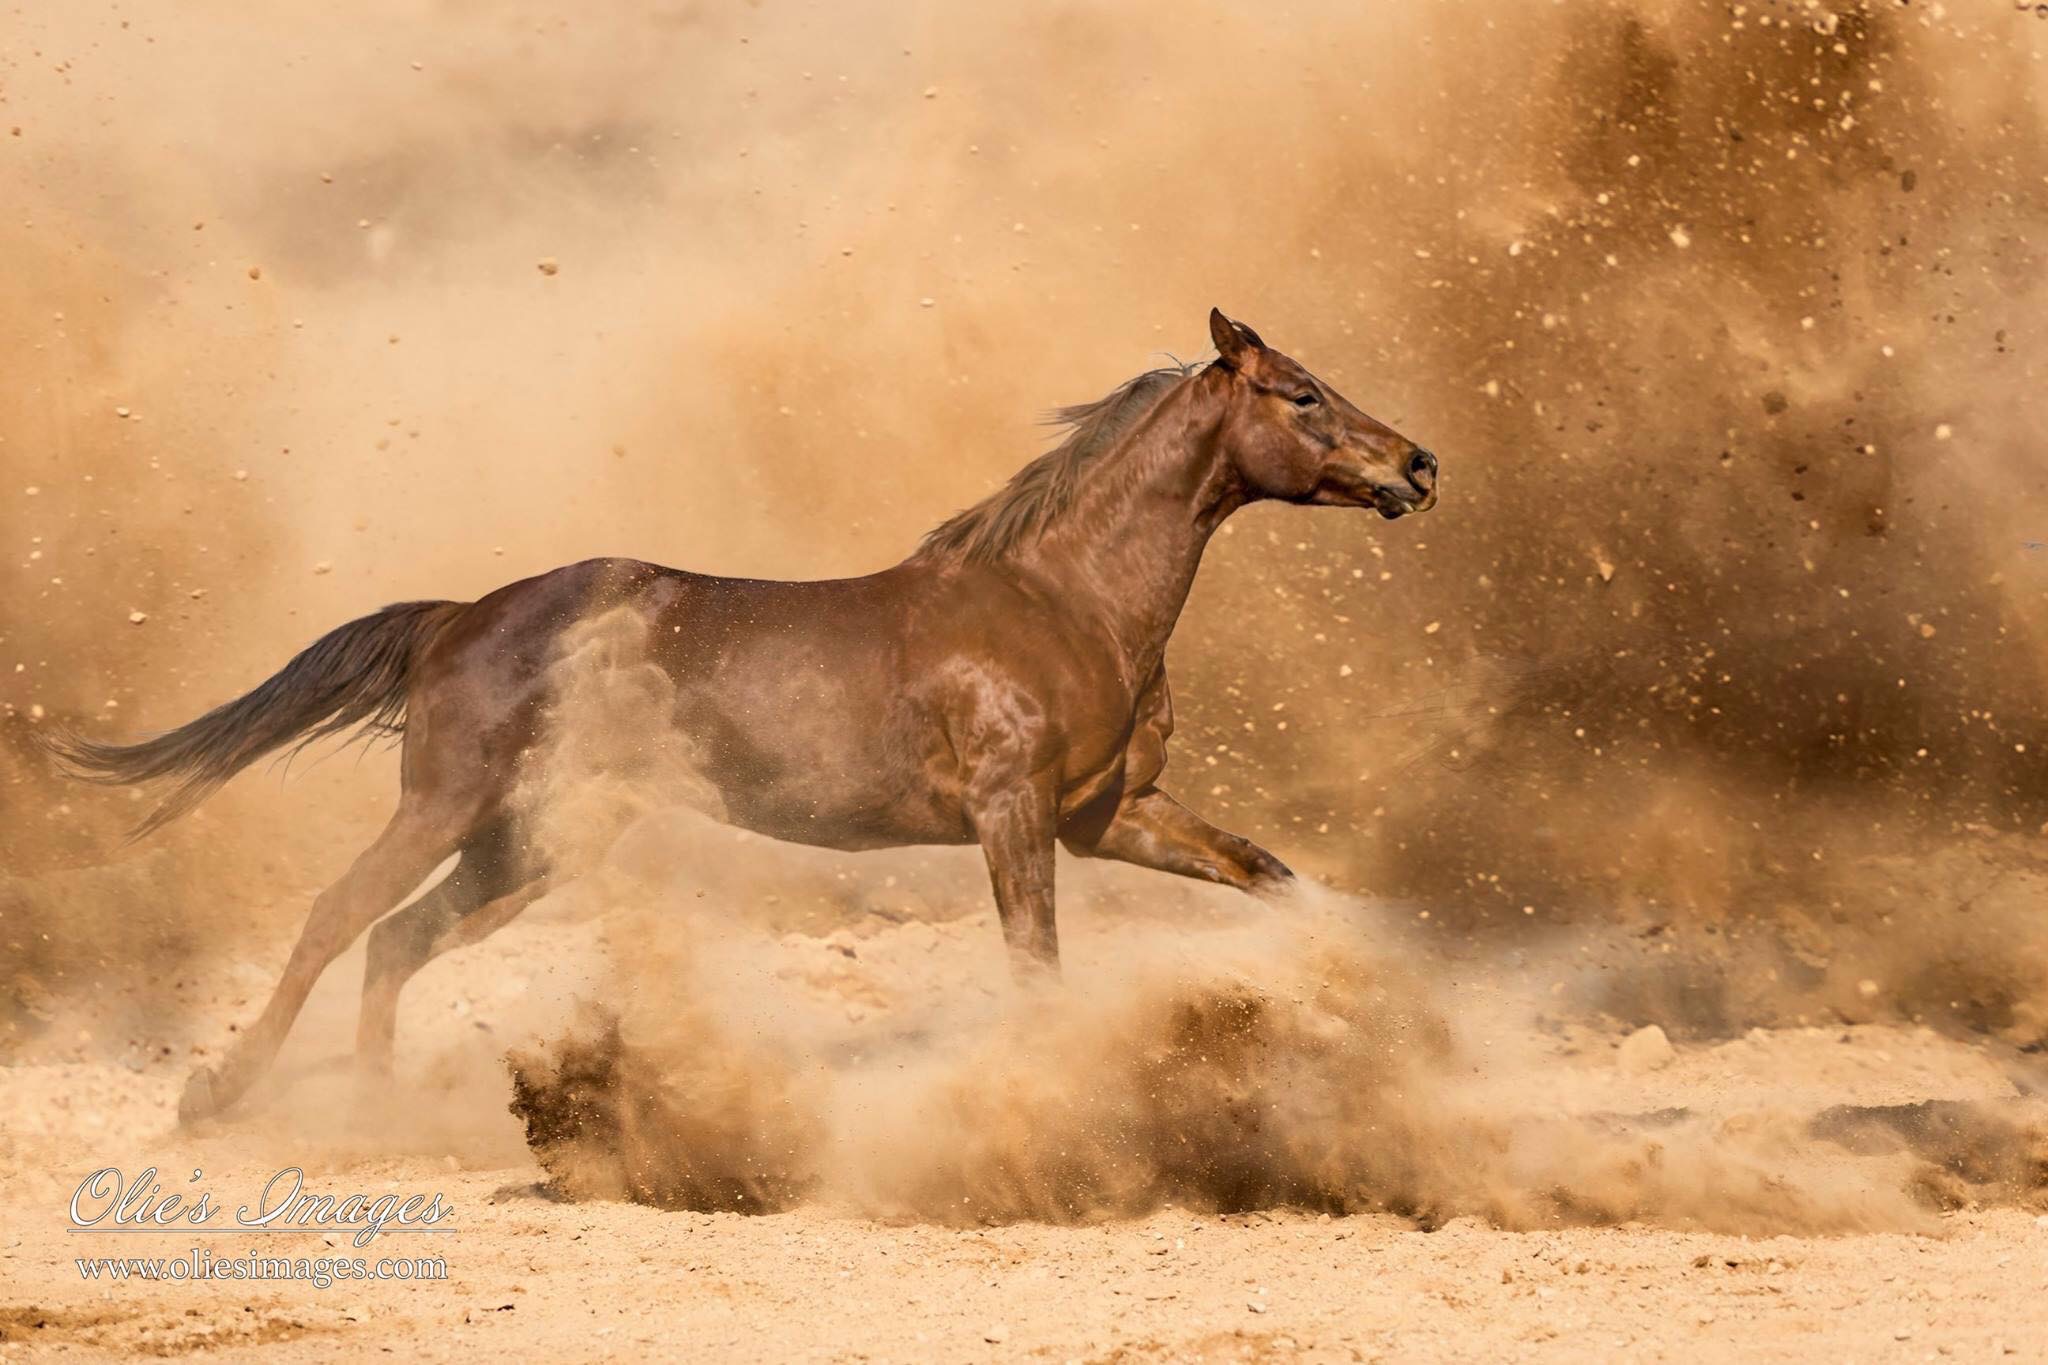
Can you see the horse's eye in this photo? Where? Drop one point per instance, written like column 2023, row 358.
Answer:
column 1305, row 400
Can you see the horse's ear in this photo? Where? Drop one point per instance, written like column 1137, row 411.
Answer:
column 1235, row 342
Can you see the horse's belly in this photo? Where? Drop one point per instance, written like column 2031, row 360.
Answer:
column 820, row 815
column 810, row 778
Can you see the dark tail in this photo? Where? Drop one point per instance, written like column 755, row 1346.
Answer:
column 355, row 675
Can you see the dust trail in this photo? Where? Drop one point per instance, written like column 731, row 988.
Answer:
column 1279, row 1062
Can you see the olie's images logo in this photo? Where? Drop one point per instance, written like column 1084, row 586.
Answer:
column 105, row 1202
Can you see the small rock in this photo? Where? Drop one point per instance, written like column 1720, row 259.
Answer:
column 548, row 265
column 1255, row 1306
column 997, row 1334
column 1647, row 1049
column 1867, row 988
column 136, row 618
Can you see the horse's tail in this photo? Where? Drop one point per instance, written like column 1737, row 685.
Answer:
column 355, row 675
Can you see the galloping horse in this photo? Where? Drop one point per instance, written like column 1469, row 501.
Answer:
column 1004, row 685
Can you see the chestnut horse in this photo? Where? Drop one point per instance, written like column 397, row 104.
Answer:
column 1004, row 685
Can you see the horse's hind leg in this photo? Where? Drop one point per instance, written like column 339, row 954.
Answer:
column 401, row 944
column 420, row 835
column 487, row 889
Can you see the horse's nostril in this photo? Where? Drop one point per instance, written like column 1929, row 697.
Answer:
column 1422, row 468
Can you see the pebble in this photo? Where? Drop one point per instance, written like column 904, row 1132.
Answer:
column 1647, row 1049
column 136, row 618
column 548, row 265
column 997, row 1334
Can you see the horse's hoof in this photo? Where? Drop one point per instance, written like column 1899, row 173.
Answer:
column 1273, row 886
column 198, row 1100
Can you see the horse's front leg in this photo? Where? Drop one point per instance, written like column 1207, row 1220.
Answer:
column 1151, row 829
column 1015, row 826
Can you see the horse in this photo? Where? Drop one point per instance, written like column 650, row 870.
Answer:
column 1004, row 685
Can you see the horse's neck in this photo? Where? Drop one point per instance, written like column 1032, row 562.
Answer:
column 1127, row 550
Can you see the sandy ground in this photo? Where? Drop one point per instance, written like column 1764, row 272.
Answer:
column 533, row 1276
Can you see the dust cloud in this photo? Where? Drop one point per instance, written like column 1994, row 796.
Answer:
column 1224, row 1069
column 1713, row 684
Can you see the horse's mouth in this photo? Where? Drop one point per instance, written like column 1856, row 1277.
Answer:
column 1389, row 500
column 1394, row 505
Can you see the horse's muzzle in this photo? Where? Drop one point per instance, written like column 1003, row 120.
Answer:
column 1419, row 496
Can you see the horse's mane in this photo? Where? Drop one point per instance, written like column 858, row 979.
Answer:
column 1039, row 492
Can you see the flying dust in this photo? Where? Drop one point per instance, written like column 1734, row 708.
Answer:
column 1711, row 694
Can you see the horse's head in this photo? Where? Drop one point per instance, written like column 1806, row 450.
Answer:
column 1293, row 437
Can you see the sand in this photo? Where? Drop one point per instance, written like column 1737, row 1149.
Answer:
column 1170, row 1276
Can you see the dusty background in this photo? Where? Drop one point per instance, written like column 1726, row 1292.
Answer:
column 1710, row 698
